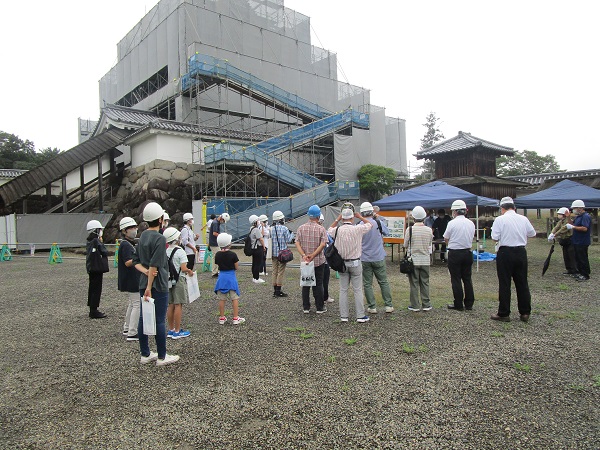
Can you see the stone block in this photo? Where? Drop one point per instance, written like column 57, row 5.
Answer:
column 162, row 164
column 158, row 183
column 181, row 165
column 149, row 166
column 157, row 195
column 159, row 173
column 191, row 168
column 180, row 174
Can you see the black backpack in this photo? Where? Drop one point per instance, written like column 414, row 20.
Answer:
column 173, row 272
column 334, row 259
column 248, row 250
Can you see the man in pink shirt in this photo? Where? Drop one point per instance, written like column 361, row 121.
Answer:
column 348, row 241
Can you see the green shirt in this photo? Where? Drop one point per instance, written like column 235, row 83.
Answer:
column 151, row 252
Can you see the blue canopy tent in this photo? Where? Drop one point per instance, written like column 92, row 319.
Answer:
column 559, row 195
column 434, row 195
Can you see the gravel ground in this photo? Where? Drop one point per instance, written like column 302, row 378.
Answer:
column 438, row 380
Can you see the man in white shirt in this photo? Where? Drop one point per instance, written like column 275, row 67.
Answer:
column 511, row 231
column 459, row 239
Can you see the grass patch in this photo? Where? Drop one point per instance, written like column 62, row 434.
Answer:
column 350, row 341
column 407, row 348
column 423, row 348
column 346, row 386
column 306, row 335
column 577, row 387
column 497, row 334
column 294, row 329
column 563, row 287
column 522, row 367
column 331, row 359
column 377, row 353
column 596, row 379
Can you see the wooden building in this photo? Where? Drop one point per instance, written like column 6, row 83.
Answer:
column 468, row 162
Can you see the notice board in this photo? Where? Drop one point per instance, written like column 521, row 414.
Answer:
column 396, row 223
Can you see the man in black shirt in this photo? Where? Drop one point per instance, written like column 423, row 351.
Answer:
column 439, row 228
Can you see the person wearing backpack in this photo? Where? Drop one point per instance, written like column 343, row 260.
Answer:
column 178, row 293
column 256, row 249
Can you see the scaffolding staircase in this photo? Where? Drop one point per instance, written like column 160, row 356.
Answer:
column 215, row 71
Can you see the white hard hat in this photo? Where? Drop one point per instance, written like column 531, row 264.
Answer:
column 223, row 240
column 347, row 213
column 93, row 225
column 506, row 200
column 166, row 216
column 187, row 216
column 365, row 207
column 458, row 204
column 253, row 218
column 263, row 218
column 418, row 212
column 322, row 218
column 578, row 204
column 563, row 210
column 278, row 215
column 171, row 234
column 126, row 222
column 225, row 217
column 152, row 211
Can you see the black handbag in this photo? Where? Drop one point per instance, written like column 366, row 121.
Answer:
column 334, row 259
column 97, row 258
column 285, row 255
column 406, row 264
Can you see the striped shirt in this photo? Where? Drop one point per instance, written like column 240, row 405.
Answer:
column 281, row 236
column 349, row 239
column 310, row 235
column 420, row 238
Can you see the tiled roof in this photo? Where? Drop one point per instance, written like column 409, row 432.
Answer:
column 11, row 173
column 463, row 141
column 189, row 128
column 479, row 179
column 539, row 178
column 143, row 120
column 59, row 166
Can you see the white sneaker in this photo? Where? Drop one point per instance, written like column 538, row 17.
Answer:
column 169, row 359
column 263, row 273
column 307, row 311
column 372, row 310
column 146, row 359
column 259, row 281
column 389, row 309
column 410, row 308
column 238, row 320
column 330, row 300
column 323, row 311
column 343, row 319
column 429, row 308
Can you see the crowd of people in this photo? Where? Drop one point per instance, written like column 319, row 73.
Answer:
column 155, row 266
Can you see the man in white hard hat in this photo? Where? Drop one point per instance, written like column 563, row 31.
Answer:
column 511, row 231
column 459, row 239
column 215, row 229
column 188, row 239
column 348, row 241
column 417, row 241
column 151, row 260
column 372, row 259
column 280, row 236
column 582, row 238
column 563, row 235
column 129, row 278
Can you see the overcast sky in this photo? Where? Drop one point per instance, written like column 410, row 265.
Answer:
column 523, row 74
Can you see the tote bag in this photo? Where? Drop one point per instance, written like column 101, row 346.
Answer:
column 307, row 274
column 193, row 288
column 149, row 317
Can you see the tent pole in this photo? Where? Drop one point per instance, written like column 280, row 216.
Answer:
column 477, row 234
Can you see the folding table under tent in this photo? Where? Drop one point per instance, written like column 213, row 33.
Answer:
column 559, row 195
column 434, row 195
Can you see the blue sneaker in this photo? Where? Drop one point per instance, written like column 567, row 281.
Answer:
column 180, row 334
column 363, row 319
column 170, row 333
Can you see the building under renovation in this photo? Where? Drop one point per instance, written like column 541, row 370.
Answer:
column 236, row 89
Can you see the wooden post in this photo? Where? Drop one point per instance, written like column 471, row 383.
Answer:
column 81, row 184
column 49, row 195
column 100, row 187
column 65, row 207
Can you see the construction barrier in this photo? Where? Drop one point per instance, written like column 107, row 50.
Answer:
column 5, row 254
column 55, row 255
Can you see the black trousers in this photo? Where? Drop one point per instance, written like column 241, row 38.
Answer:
column 569, row 257
column 326, row 275
column 317, row 290
column 460, row 263
column 511, row 264
column 581, row 256
column 191, row 261
column 258, row 256
column 94, row 290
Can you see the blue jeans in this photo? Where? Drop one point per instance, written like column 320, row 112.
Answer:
column 161, row 302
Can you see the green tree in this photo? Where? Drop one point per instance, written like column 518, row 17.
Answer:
column 14, row 149
column 15, row 153
column 433, row 134
column 526, row 162
column 375, row 181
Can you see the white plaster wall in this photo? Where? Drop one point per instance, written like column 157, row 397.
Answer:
column 90, row 172
column 142, row 152
column 174, row 148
